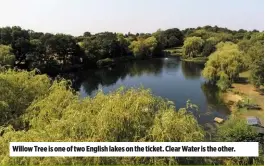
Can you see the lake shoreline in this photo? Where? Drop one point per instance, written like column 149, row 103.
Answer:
column 197, row 59
column 244, row 91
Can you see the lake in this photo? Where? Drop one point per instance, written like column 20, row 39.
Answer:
column 169, row 78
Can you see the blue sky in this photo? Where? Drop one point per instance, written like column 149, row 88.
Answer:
column 76, row 16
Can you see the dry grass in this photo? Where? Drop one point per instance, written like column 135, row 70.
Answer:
column 245, row 90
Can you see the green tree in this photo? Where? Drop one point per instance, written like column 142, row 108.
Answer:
column 192, row 46
column 35, row 35
column 63, row 50
column 151, row 44
column 256, row 64
column 36, row 57
column 58, row 114
column 209, row 46
column 103, row 45
column 124, row 44
column 87, row 34
column 253, row 56
column 173, row 41
column 5, row 35
column 17, row 91
column 224, row 64
column 171, row 38
column 144, row 47
column 6, row 56
column 244, row 45
column 138, row 48
column 20, row 43
column 223, row 83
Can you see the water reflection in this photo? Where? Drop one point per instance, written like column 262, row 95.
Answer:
column 192, row 70
column 169, row 78
column 91, row 80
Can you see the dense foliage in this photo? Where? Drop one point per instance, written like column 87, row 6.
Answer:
column 253, row 51
column 237, row 130
column 256, row 56
column 170, row 37
column 224, row 65
column 192, row 46
column 144, row 47
column 211, row 36
column 17, row 92
column 53, row 53
column 7, row 58
column 53, row 112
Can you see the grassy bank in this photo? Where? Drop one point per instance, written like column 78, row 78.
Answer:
column 196, row 59
column 244, row 92
column 175, row 51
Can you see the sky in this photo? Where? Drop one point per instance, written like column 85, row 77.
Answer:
column 77, row 16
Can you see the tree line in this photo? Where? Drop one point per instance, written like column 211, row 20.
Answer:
column 228, row 53
column 59, row 52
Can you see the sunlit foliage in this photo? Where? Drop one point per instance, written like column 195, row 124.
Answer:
column 17, row 91
column 144, row 47
column 224, row 64
column 192, row 46
column 253, row 51
column 6, row 56
column 235, row 129
column 55, row 113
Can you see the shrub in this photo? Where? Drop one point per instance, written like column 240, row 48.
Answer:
column 17, row 91
column 55, row 113
column 7, row 58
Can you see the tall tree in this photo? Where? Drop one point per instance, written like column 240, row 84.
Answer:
column 224, row 65
column 192, row 46
column 6, row 56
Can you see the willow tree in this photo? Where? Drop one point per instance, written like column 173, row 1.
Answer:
column 124, row 115
column 224, row 65
column 7, row 58
column 17, row 91
column 144, row 47
column 192, row 46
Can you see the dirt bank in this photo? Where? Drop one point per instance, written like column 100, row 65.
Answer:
column 245, row 90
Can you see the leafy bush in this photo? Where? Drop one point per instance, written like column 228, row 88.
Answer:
column 235, row 130
column 223, row 83
column 57, row 114
column 17, row 91
column 6, row 56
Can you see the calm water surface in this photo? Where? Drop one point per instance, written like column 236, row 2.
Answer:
column 169, row 78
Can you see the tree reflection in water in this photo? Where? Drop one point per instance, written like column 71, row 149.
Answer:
column 191, row 70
